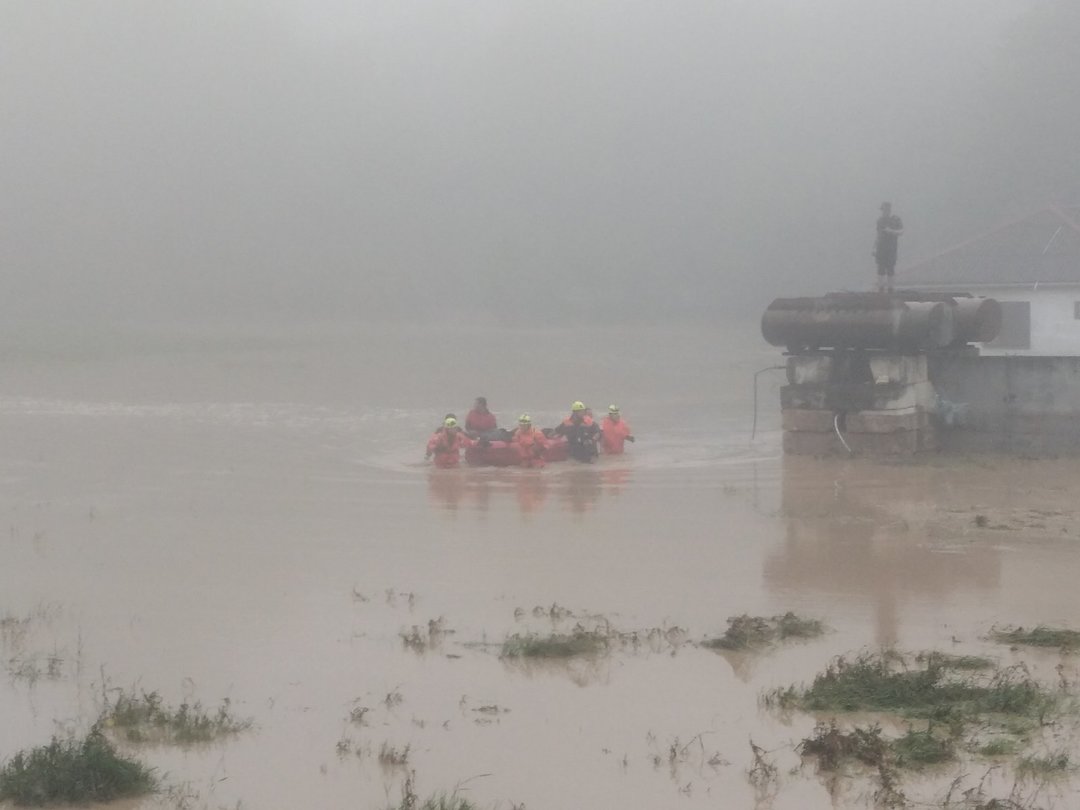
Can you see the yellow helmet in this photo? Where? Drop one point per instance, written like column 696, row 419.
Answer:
column 449, row 422
column 613, row 408
column 578, row 406
column 525, row 419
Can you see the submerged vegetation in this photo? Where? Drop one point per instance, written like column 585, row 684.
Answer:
column 932, row 688
column 1051, row 764
column 145, row 717
column 962, row 702
column 748, row 632
column 73, row 771
column 869, row 746
column 391, row 756
column 948, row 661
column 591, row 635
column 556, row 645
column 1039, row 636
column 834, row 747
column 420, row 640
column 998, row 747
column 965, row 706
column 918, row 748
column 441, row 801
column 31, row 669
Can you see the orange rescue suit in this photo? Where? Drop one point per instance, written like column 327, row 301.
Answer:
column 530, row 445
column 446, row 447
column 614, row 435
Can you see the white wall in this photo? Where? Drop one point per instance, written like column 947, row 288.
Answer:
column 1054, row 329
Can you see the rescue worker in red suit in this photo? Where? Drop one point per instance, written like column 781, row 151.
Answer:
column 614, row 431
column 581, row 433
column 446, row 444
column 480, row 420
column 530, row 442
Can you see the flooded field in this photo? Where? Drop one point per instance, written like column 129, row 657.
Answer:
column 218, row 517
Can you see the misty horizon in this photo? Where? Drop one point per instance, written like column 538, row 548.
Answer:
column 509, row 162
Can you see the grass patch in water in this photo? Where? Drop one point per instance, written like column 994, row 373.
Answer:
column 834, row 747
column 869, row 746
column 969, row 662
column 1000, row 747
column 146, row 718
column 556, row 645
column 747, row 632
column 885, row 682
column 392, row 757
column 1039, row 636
column 440, row 801
column 73, row 771
column 1040, row 766
column 918, row 748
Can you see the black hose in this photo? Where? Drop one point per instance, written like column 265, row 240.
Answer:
column 753, row 431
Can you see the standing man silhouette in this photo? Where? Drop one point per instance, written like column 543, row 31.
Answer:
column 889, row 229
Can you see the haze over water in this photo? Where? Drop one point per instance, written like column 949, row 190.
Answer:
column 249, row 516
column 208, row 496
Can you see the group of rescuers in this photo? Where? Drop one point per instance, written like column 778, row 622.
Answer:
column 584, row 437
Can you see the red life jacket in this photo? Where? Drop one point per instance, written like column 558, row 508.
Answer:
column 480, row 421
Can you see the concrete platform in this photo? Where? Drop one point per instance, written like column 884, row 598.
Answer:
column 858, row 397
column 887, row 421
column 902, row 443
column 807, row 420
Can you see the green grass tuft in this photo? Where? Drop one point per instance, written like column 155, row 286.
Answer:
column 1048, row 765
column 73, row 771
column 444, row 802
column 884, row 682
column 948, row 661
column 1000, row 747
column 557, row 645
column 834, row 747
column 747, row 632
column 792, row 626
column 440, row 801
column 146, row 718
column 918, row 748
column 869, row 746
column 1040, row 636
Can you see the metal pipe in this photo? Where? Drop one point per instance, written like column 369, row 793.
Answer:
column 976, row 320
column 839, row 435
column 857, row 321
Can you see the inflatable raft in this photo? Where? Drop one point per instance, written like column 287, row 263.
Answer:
column 504, row 454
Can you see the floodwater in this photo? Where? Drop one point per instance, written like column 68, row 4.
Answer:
column 216, row 515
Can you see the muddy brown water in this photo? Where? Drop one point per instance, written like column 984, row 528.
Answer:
column 222, row 515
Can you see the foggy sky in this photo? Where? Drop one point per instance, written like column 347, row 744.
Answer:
column 503, row 159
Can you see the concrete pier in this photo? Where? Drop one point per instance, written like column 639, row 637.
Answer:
column 905, row 404
column 878, row 374
column 878, row 404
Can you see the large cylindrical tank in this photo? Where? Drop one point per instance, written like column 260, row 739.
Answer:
column 976, row 320
column 858, row 321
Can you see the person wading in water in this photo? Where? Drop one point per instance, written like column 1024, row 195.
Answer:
column 446, row 444
column 581, row 433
